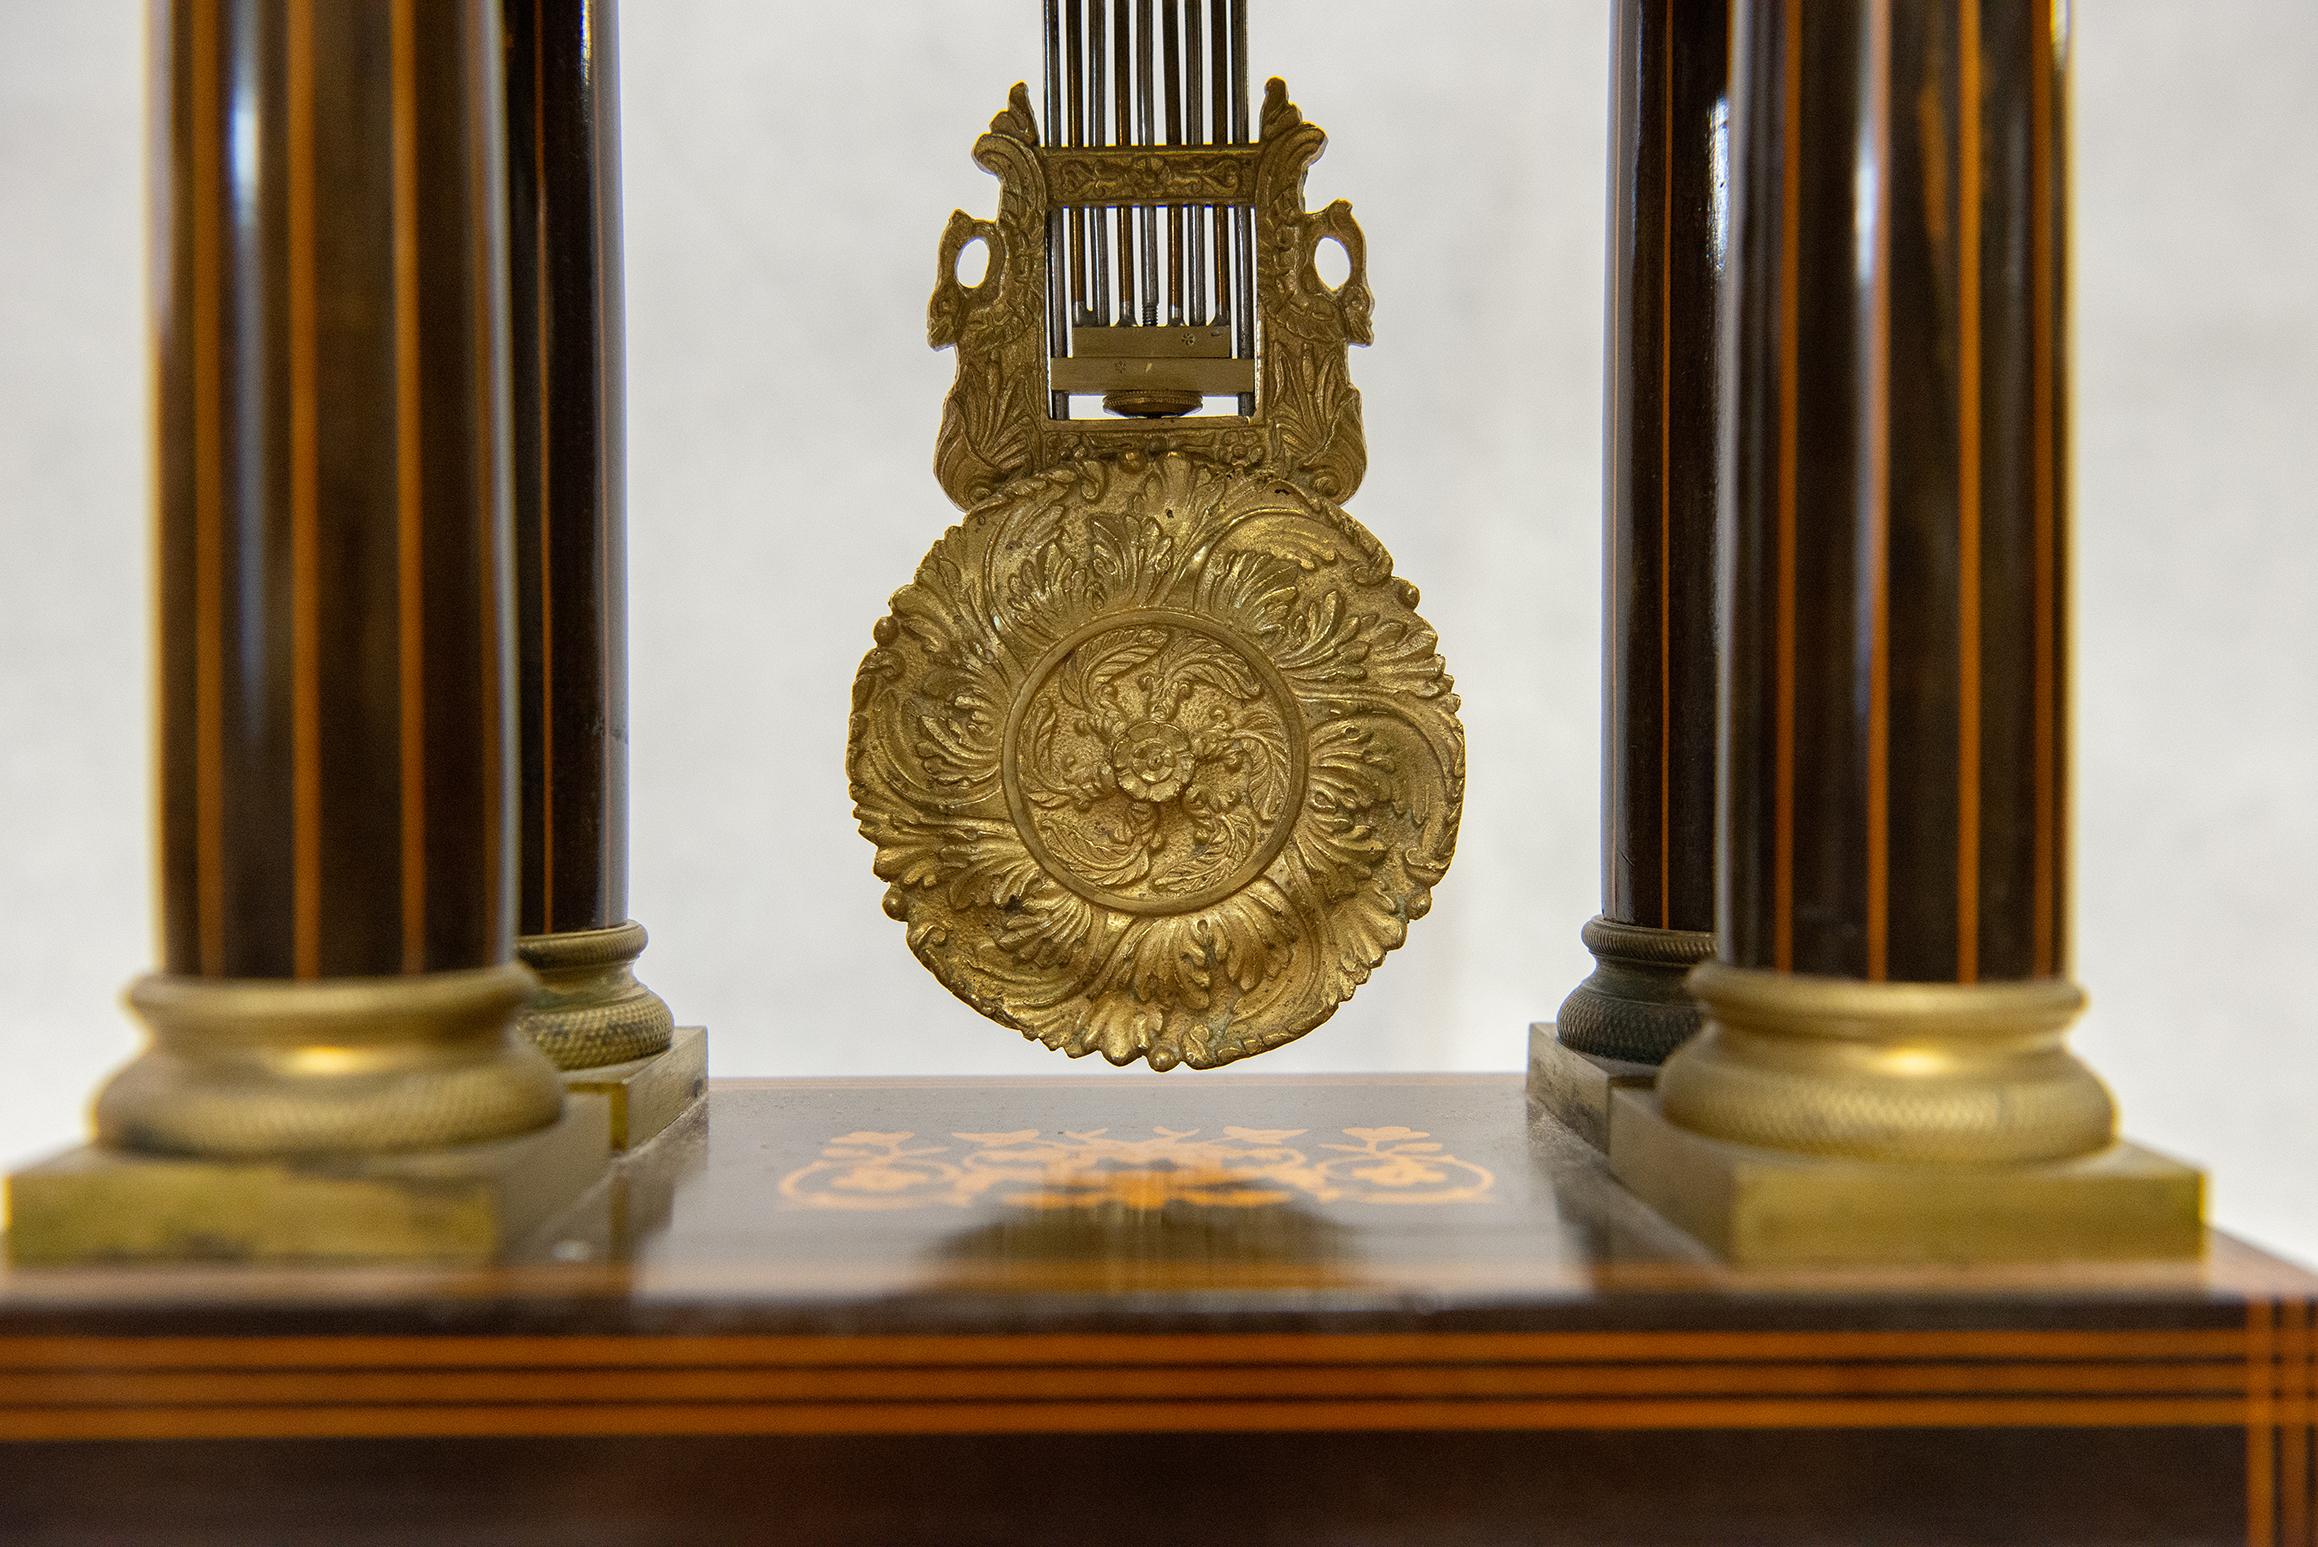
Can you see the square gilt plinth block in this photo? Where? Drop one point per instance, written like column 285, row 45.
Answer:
column 469, row 1204
column 1769, row 1208
column 645, row 1095
column 1574, row 1088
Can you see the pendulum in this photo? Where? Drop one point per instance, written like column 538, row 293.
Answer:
column 1157, row 755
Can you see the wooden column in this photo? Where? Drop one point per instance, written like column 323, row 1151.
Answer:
column 1896, row 669
column 1883, row 1073
column 336, row 824
column 1899, row 636
column 570, row 498
column 1662, row 394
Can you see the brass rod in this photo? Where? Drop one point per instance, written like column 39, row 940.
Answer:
column 1173, row 43
column 1057, row 254
column 1219, row 75
column 1196, row 133
column 1146, row 216
column 1097, row 134
column 1074, row 53
column 1123, row 116
column 1242, row 134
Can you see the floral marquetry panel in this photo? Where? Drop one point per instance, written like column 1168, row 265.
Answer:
column 1232, row 1167
column 1158, row 759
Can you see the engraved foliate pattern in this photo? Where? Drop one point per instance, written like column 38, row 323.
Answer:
column 1158, row 759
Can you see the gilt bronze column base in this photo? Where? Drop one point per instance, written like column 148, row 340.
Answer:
column 1771, row 1208
column 1633, row 1007
column 267, row 1068
column 615, row 1222
column 648, row 1094
column 590, row 1010
column 338, row 1119
column 1911, row 1073
column 608, row 1033
column 1574, row 1088
column 1826, row 1120
column 466, row 1204
column 1617, row 1026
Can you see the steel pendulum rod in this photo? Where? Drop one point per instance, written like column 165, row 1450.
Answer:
column 1174, row 66
column 1123, row 117
column 1219, row 84
column 1146, row 216
column 1057, row 244
column 1097, row 129
column 1241, row 135
column 1195, row 132
column 1074, row 54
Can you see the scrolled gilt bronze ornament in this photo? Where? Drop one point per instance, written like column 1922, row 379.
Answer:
column 1157, row 755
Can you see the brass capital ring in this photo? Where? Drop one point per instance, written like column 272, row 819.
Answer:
column 1639, row 945
column 1798, row 1004
column 254, row 1068
column 203, row 1015
column 1911, row 1073
column 590, row 1011
column 575, row 949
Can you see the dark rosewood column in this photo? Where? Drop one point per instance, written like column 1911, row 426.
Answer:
column 1892, row 972
column 570, row 493
column 1669, row 142
column 336, row 823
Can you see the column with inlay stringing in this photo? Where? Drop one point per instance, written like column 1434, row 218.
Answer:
column 1662, row 422
column 333, row 1069
column 1883, row 1072
column 569, row 478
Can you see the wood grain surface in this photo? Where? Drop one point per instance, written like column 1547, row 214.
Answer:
column 1358, row 1309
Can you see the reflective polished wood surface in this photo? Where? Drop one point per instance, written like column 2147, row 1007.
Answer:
column 1896, row 698
column 1344, row 1309
column 330, row 550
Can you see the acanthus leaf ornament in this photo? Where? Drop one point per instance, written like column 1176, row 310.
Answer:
column 1157, row 756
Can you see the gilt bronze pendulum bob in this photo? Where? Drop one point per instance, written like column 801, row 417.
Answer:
column 1157, row 755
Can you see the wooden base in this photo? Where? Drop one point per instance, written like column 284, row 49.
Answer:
column 1771, row 1208
column 1350, row 1309
column 472, row 1204
column 1574, row 1088
column 645, row 1095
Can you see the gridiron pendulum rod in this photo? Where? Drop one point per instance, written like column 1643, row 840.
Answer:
column 1074, row 54
column 1057, row 242
column 1146, row 125
column 1219, row 83
column 1242, row 135
column 1123, row 116
column 1195, row 132
column 1174, row 68
column 1097, row 129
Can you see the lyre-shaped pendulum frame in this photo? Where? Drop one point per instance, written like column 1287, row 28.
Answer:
column 1156, row 277
column 1157, row 756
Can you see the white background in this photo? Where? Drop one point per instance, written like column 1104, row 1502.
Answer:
column 789, row 167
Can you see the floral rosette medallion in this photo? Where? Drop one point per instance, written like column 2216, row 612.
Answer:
column 1157, row 756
